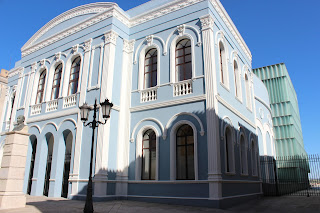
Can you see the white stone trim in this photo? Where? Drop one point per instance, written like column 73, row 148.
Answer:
column 51, row 76
column 225, row 62
column 36, row 82
column 173, row 148
column 142, row 56
column 138, row 161
column 53, row 115
column 91, row 87
column 232, row 144
column 168, row 103
column 173, row 54
column 235, row 111
column 237, row 76
column 150, row 42
column 177, row 115
column 146, row 119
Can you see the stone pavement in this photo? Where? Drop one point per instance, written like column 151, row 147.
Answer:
column 267, row 205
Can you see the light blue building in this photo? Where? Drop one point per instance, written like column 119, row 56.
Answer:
column 183, row 128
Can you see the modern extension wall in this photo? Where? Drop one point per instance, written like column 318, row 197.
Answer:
column 285, row 109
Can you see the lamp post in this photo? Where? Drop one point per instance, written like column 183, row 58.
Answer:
column 84, row 112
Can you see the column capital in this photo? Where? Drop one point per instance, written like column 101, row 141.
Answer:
column 207, row 22
column 34, row 66
column 128, row 46
column 110, row 37
column 87, row 45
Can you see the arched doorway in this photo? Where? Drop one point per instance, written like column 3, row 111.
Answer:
column 33, row 141
column 67, row 136
column 50, row 141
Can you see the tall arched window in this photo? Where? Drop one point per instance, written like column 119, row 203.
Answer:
column 148, row 171
column 183, row 60
column 243, row 156
column 236, row 79
column 222, row 60
column 56, row 82
column 228, row 150
column 74, row 76
column 185, row 153
column 248, row 92
column 150, row 68
column 41, row 86
column 254, row 159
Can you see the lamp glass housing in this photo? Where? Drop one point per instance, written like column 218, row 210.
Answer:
column 106, row 108
column 84, row 112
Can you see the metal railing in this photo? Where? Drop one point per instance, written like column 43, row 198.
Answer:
column 293, row 175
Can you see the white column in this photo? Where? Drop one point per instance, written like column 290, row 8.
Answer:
column 16, row 99
column 214, row 159
column 29, row 89
column 83, row 89
column 102, row 149
column 124, row 118
column 5, row 105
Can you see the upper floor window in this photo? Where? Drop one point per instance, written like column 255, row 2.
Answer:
column 150, row 68
column 56, row 82
column 41, row 86
column 236, row 79
column 183, row 60
column 148, row 155
column 185, row 153
column 222, row 62
column 74, row 76
column 248, row 92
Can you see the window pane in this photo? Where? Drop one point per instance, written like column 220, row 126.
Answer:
column 181, row 163
column 154, row 79
column 145, row 164
column 188, row 58
column 179, row 52
column 153, row 164
column 187, row 50
column 190, row 163
column 147, row 77
column 179, row 60
column 188, row 74
column 145, row 143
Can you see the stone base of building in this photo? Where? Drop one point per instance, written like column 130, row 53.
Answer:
column 12, row 201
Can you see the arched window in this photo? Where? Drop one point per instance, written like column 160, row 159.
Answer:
column 185, row 153
column 236, row 79
column 222, row 62
column 74, row 76
column 148, row 171
column 243, row 156
column 248, row 92
column 56, row 82
column 254, row 158
column 183, row 60
column 228, row 150
column 150, row 68
column 41, row 86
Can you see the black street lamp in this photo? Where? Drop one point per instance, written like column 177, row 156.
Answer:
column 84, row 112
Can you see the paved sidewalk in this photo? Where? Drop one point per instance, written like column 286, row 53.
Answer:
column 271, row 204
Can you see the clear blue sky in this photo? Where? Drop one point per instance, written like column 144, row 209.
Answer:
column 275, row 31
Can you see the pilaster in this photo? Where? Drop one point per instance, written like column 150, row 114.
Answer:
column 102, row 149
column 124, row 118
column 29, row 89
column 214, row 159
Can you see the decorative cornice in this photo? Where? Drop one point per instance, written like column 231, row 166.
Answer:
column 110, row 37
column 207, row 22
column 108, row 10
column 15, row 71
column 128, row 46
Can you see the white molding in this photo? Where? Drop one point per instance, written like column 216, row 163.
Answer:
column 53, row 115
column 177, row 115
column 173, row 148
column 146, row 119
column 235, row 111
column 16, row 71
column 168, row 103
column 264, row 103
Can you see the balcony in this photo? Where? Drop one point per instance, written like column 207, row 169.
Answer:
column 52, row 105
column 182, row 88
column 70, row 101
column 36, row 109
column 149, row 95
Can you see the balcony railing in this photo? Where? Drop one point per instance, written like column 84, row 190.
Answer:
column 182, row 88
column 36, row 109
column 149, row 95
column 70, row 101
column 52, row 105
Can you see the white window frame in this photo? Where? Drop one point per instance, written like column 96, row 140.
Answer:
column 66, row 75
column 224, row 63
column 138, row 162
column 173, row 149
column 50, row 79
column 237, row 79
